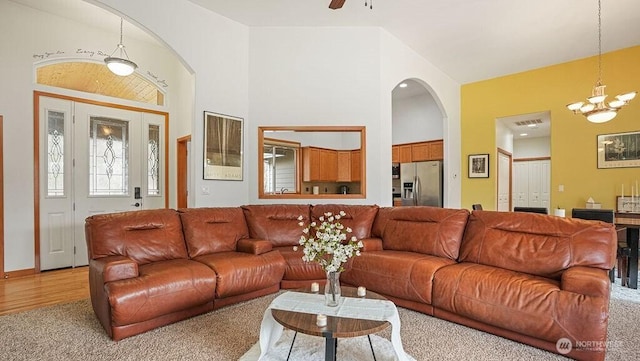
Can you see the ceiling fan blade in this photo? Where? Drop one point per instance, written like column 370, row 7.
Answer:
column 336, row 4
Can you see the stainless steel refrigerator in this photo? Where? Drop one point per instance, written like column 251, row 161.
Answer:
column 422, row 183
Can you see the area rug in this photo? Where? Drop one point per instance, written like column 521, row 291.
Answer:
column 72, row 332
column 309, row 348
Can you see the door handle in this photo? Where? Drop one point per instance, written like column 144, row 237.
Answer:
column 136, row 204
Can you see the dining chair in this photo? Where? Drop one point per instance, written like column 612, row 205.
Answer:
column 608, row 216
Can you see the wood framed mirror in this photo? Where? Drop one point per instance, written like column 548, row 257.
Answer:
column 311, row 162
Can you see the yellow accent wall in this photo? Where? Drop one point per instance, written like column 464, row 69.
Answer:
column 573, row 138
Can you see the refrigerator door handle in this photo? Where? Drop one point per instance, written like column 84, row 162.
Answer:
column 418, row 191
column 415, row 190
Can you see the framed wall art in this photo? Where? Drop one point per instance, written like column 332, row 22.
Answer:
column 222, row 147
column 479, row 166
column 621, row 150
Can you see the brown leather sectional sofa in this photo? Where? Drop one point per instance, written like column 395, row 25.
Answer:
column 532, row 278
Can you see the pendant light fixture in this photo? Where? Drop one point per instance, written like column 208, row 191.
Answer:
column 119, row 65
column 596, row 110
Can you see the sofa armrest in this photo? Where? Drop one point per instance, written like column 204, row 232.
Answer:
column 113, row 268
column 586, row 280
column 371, row 244
column 254, row 246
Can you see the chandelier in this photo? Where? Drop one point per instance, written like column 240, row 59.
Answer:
column 120, row 66
column 596, row 110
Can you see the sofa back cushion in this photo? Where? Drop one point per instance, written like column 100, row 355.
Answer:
column 277, row 223
column 537, row 244
column 427, row 230
column 212, row 230
column 144, row 236
column 357, row 217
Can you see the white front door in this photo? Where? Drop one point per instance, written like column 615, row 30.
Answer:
column 116, row 165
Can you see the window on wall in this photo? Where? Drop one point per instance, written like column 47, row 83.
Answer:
column 280, row 167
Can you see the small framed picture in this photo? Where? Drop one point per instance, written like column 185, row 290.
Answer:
column 478, row 165
column 222, row 147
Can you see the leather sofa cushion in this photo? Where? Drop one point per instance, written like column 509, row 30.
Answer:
column 357, row 217
column 405, row 275
column 296, row 268
column 277, row 223
column 537, row 244
column 163, row 287
column 144, row 236
column 212, row 230
column 239, row 273
column 426, row 230
column 519, row 302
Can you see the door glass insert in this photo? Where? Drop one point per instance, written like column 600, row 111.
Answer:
column 55, row 154
column 153, row 161
column 108, row 157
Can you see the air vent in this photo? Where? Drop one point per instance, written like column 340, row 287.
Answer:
column 527, row 122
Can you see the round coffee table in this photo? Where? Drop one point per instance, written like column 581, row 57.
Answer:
column 337, row 327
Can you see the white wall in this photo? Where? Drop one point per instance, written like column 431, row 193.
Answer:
column 416, row 119
column 532, row 147
column 504, row 137
column 26, row 33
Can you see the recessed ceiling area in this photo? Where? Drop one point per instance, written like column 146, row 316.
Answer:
column 534, row 125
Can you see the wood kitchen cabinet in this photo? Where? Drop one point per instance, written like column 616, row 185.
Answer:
column 417, row 152
column 420, row 152
column 344, row 166
column 436, row 150
column 404, row 153
column 356, row 168
column 319, row 165
column 328, row 165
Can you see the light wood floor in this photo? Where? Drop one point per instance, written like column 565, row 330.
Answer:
column 43, row 289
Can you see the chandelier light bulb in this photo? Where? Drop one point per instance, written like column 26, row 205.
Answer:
column 602, row 116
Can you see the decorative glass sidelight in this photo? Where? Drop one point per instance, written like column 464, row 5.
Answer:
column 153, row 161
column 108, row 157
column 55, row 154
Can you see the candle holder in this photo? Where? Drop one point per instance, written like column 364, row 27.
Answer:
column 627, row 204
column 321, row 320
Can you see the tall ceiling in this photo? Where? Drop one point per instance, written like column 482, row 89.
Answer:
column 470, row 40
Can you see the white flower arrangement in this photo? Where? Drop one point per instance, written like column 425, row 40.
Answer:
column 327, row 243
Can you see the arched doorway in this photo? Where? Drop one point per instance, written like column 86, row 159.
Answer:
column 417, row 146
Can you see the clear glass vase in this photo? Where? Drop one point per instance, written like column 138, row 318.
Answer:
column 332, row 289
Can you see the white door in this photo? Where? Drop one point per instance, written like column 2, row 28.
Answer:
column 521, row 184
column 117, row 165
column 545, row 184
column 535, row 184
column 504, row 186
